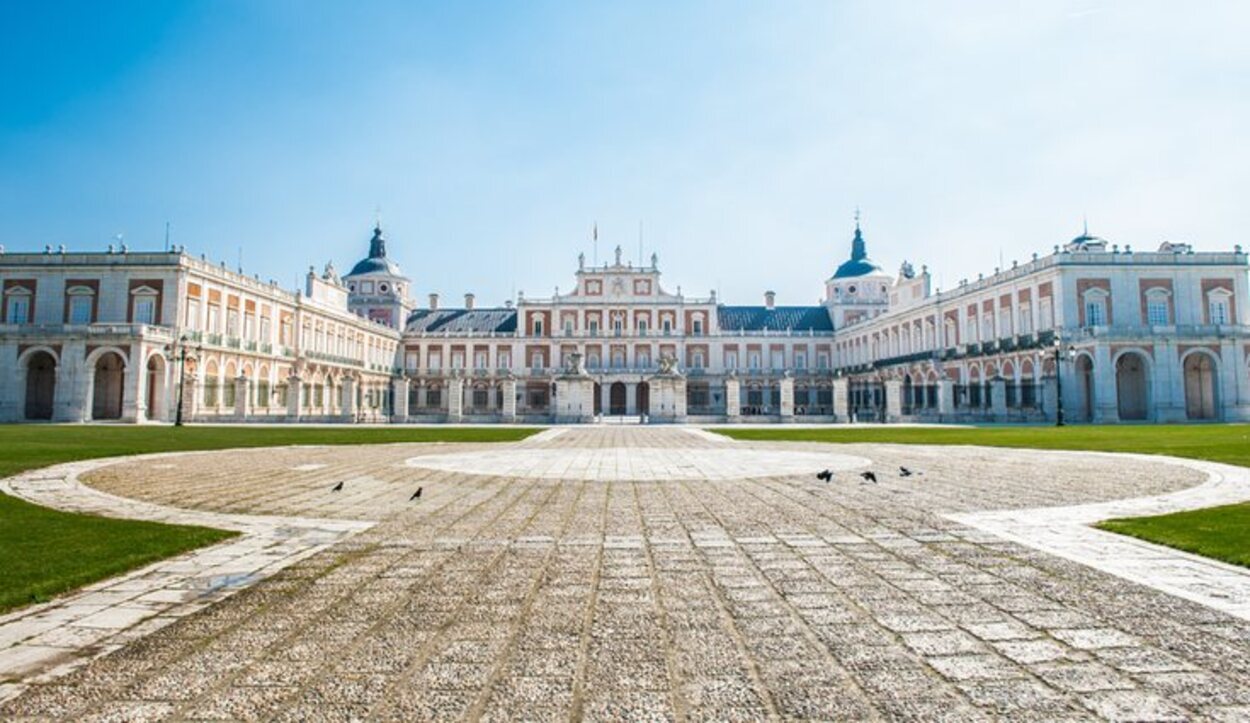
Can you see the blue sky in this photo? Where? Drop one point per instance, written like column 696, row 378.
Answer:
column 740, row 135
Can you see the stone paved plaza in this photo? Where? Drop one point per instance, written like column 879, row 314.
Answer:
column 656, row 574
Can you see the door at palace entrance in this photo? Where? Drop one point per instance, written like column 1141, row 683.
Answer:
column 616, row 399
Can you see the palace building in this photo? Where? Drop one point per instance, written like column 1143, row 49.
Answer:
column 1095, row 332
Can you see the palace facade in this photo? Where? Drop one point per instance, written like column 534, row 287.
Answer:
column 1100, row 333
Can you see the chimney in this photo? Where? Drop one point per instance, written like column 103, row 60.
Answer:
column 770, row 300
column 468, row 301
column 433, row 302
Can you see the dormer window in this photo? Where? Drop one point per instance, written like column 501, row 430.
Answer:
column 366, row 287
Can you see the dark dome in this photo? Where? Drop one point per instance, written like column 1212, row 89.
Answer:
column 859, row 263
column 375, row 266
column 376, row 263
column 857, row 267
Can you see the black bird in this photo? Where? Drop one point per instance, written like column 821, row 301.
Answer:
column 337, row 488
column 416, row 494
column 824, row 475
column 869, row 476
column 904, row 472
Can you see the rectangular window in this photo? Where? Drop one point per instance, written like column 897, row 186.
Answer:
column 19, row 310
column 1157, row 312
column 642, row 327
column 264, row 329
column 479, row 360
column 1219, row 311
column 1045, row 315
column 410, row 361
column 232, row 327
column 80, row 309
column 593, row 326
column 800, row 360
column 822, row 361
column 731, row 360
column 1026, row 320
column 193, row 314
column 1004, row 323
column 145, row 310
column 1095, row 313
column 568, row 327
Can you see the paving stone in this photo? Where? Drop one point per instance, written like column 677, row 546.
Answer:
column 643, row 573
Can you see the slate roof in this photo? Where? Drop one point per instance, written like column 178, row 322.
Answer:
column 455, row 321
column 779, row 318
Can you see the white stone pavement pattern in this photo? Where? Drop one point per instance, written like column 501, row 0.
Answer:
column 505, row 593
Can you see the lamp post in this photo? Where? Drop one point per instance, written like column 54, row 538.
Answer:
column 1058, row 345
column 1059, row 385
column 182, row 376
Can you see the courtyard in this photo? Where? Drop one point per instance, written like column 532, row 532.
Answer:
column 640, row 573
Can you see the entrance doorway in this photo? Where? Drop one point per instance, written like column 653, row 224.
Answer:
column 1199, row 387
column 616, row 399
column 644, row 398
column 40, row 385
column 1131, row 387
column 106, row 400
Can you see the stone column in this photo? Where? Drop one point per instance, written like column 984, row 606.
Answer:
column 946, row 397
column 1234, row 386
column 399, row 411
column 509, row 399
column 605, row 397
column 787, row 399
column 733, row 399
column 294, row 393
column 841, row 400
column 13, row 385
column 73, row 384
column 1168, row 384
column 242, row 399
column 893, row 400
column 631, row 398
column 1050, row 398
column 134, row 405
column 348, row 390
column 455, row 399
column 190, row 398
column 1106, row 405
column 998, row 398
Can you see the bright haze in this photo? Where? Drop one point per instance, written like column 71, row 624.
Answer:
column 740, row 137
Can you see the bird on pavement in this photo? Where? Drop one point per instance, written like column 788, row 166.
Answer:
column 416, row 494
column 824, row 475
column 904, row 472
column 869, row 476
column 337, row 488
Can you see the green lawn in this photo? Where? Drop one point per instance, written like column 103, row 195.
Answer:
column 1222, row 533
column 1219, row 532
column 1228, row 443
column 44, row 552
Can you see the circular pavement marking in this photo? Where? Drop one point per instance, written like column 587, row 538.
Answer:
column 611, row 464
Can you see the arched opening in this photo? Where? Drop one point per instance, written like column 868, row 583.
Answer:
column 1200, row 386
column 598, row 399
column 1132, row 387
column 106, row 398
column 616, row 399
column 907, row 401
column 1084, row 408
column 644, row 398
column 154, row 390
column 40, row 385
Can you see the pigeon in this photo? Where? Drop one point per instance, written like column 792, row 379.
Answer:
column 904, row 472
column 824, row 475
column 337, row 488
column 869, row 477
column 416, row 494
